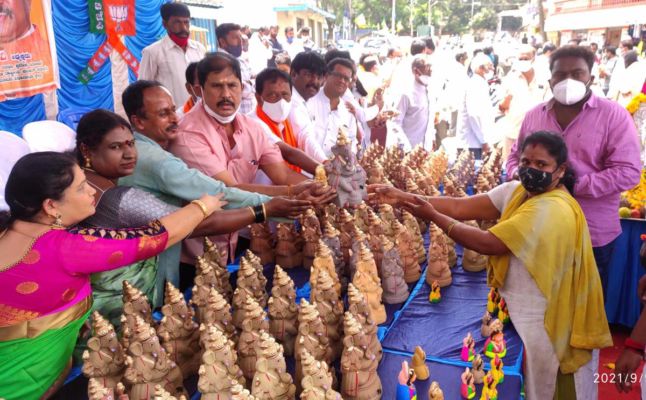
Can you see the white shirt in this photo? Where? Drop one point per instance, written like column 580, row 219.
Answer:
column 417, row 114
column 164, row 61
column 303, row 128
column 524, row 96
column 476, row 115
column 327, row 122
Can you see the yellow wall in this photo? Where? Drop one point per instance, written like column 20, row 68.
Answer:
column 310, row 19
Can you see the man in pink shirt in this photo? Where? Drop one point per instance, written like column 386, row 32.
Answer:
column 227, row 145
column 602, row 144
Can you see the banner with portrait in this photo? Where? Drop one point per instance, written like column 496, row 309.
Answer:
column 28, row 64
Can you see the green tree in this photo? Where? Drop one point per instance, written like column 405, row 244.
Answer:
column 485, row 20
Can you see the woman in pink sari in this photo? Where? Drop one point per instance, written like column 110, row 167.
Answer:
column 45, row 293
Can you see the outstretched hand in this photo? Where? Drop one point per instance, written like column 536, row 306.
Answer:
column 317, row 194
column 421, row 209
column 381, row 193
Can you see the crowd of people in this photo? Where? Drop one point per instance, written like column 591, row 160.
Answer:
column 212, row 143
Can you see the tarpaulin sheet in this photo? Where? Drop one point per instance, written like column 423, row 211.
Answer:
column 448, row 376
column 439, row 328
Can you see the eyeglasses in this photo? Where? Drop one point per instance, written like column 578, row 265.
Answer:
column 341, row 77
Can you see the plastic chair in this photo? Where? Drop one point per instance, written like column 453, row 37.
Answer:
column 49, row 136
column 72, row 116
column 13, row 148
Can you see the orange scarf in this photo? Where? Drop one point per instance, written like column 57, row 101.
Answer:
column 286, row 136
column 188, row 105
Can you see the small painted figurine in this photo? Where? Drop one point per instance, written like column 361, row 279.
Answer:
column 406, row 389
column 468, row 387
column 489, row 391
column 496, row 345
column 435, row 295
column 503, row 312
column 435, row 392
column 496, row 370
column 492, row 301
column 477, row 369
column 419, row 364
column 468, row 348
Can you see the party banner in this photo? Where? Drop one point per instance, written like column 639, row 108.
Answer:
column 113, row 18
column 116, row 16
column 28, row 64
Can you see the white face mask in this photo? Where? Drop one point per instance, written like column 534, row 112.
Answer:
column 523, row 65
column 278, row 111
column 220, row 118
column 569, row 91
column 424, row 79
column 489, row 75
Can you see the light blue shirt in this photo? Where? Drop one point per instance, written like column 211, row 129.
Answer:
column 169, row 179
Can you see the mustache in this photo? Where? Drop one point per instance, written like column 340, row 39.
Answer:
column 172, row 127
column 182, row 33
column 225, row 102
column 313, row 86
column 6, row 10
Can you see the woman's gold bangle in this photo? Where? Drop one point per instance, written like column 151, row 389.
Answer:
column 202, row 207
column 451, row 225
column 264, row 211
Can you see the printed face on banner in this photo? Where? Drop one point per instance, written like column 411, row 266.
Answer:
column 26, row 48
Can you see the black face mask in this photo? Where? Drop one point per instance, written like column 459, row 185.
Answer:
column 535, row 180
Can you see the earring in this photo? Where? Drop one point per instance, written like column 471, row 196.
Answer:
column 88, row 163
column 58, row 222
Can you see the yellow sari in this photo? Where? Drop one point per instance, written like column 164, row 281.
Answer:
column 548, row 233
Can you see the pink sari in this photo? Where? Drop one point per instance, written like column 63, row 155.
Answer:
column 54, row 274
column 46, row 297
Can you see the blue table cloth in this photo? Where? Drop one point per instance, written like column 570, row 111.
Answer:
column 622, row 304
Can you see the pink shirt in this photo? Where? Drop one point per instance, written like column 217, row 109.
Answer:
column 203, row 144
column 603, row 150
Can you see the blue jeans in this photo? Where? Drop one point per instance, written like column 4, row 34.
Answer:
column 602, row 256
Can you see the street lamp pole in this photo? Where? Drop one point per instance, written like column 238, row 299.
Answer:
column 392, row 19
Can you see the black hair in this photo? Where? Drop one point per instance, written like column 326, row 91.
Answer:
column 174, row 9
column 417, row 47
column 461, row 55
column 335, row 53
column 93, row 127
column 573, row 51
column 428, row 42
column 487, row 50
column 304, row 29
column 391, row 51
column 556, row 147
column 35, row 178
column 191, row 73
column 271, row 75
column 309, row 60
column 344, row 62
column 630, row 57
column 360, row 89
column 217, row 62
column 283, row 59
column 628, row 43
column 610, row 49
column 367, row 66
column 223, row 30
column 288, row 29
column 133, row 97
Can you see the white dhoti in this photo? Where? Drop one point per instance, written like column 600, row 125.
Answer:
column 527, row 307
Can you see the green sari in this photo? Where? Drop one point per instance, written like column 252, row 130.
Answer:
column 30, row 366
